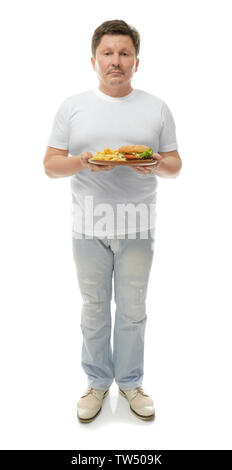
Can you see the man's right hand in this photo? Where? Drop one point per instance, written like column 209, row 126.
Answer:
column 84, row 157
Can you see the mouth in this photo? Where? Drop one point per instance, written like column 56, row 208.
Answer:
column 115, row 73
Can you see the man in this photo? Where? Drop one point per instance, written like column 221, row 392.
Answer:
column 112, row 115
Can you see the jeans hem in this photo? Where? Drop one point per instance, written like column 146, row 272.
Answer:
column 129, row 386
column 100, row 387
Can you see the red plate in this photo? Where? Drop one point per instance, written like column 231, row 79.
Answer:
column 128, row 162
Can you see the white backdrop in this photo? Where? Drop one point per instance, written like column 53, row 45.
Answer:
column 185, row 59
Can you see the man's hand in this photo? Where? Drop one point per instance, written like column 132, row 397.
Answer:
column 168, row 166
column 84, row 157
column 149, row 168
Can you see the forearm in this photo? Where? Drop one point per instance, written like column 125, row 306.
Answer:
column 58, row 166
column 168, row 167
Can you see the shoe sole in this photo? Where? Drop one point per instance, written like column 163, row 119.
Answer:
column 145, row 418
column 88, row 420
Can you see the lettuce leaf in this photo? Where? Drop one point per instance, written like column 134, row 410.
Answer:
column 148, row 153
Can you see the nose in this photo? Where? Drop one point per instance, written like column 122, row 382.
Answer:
column 115, row 60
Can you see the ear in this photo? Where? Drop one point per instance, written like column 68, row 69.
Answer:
column 136, row 65
column 93, row 62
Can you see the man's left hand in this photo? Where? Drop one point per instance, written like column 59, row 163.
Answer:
column 148, row 168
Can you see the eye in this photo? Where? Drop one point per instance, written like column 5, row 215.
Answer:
column 106, row 53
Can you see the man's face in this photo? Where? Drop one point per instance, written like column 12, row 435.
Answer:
column 115, row 53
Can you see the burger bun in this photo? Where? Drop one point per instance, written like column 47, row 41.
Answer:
column 133, row 148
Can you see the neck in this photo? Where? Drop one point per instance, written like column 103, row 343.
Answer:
column 115, row 92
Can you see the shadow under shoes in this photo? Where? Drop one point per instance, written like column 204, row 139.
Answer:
column 90, row 404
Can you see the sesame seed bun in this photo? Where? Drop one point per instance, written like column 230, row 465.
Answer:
column 133, row 148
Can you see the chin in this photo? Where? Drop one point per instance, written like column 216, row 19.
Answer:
column 119, row 78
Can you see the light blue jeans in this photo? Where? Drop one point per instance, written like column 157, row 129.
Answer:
column 129, row 261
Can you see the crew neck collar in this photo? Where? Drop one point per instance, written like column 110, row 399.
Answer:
column 113, row 98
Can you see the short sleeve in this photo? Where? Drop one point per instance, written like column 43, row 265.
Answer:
column 167, row 137
column 59, row 136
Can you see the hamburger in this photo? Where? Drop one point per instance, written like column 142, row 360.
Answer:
column 136, row 152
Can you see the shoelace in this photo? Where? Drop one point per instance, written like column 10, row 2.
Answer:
column 137, row 391
column 90, row 391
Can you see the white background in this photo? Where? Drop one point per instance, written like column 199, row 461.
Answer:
column 185, row 59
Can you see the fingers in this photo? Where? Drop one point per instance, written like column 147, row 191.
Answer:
column 143, row 170
column 87, row 155
column 157, row 156
column 95, row 168
column 84, row 158
column 140, row 168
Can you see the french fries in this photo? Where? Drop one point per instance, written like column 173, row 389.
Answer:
column 108, row 154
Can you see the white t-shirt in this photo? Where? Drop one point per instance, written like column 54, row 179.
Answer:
column 118, row 201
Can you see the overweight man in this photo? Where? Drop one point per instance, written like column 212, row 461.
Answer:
column 113, row 212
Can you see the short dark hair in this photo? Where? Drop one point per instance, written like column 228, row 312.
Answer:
column 115, row 27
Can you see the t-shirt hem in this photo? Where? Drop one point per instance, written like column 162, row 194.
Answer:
column 144, row 229
column 57, row 145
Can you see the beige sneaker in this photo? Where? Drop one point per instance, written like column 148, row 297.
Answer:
column 140, row 403
column 90, row 404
